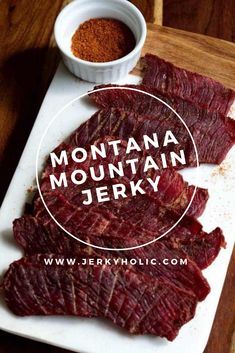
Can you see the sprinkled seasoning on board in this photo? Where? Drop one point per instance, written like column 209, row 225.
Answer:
column 102, row 40
column 222, row 169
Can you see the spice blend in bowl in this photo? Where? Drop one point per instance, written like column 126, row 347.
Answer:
column 76, row 14
column 102, row 40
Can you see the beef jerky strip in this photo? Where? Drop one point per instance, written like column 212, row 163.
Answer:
column 208, row 128
column 124, row 124
column 136, row 302
column 173, row 192
column 35, row 237
column 201, row 90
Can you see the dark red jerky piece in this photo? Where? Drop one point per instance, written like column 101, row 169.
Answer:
column 189, row 276
column 202, row 247
column 135, row 313
column 123, row 305
column 205, row 126
column 132, row 218
column 96, row 220
column 44, row 289
column 124, row 124
column 200, row 89
column 140, row 125
column 150, row 322
column 206, row 246
column 173, row 192
column 28, row 231
column 116, row 283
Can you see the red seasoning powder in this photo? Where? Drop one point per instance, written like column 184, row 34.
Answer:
column 102, row 40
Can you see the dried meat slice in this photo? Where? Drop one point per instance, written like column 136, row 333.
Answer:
column 124, row 124
column 129, row 298
column 173, row 192
column 35, row 237
column 118, row 218
column 201, row 90
column 134, row 218
column 207, row 128
column 201, row 247
column 140, row 217
column 167, row 263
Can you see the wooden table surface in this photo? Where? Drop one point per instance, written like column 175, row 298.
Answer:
column 28, row 60
column 211, row 17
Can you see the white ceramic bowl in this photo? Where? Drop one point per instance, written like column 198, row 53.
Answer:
column 79, row 11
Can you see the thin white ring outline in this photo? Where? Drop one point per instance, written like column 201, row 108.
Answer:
column 38, row 184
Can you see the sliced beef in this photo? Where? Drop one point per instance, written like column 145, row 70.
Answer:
column 202, row 248
column 151, row 297
column 173, row 192
column 187, row 276
column 141, row 217
column 35, row 237
column 99, row 220
column 144, row 216
column 136, row 220
column 136, row 302
column 202, row 90
column 124, row 124
column 207, row 128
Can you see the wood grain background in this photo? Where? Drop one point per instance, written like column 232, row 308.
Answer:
column 211, row 17
column 28, row 60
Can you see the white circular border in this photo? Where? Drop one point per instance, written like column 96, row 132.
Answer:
column 37, row 178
